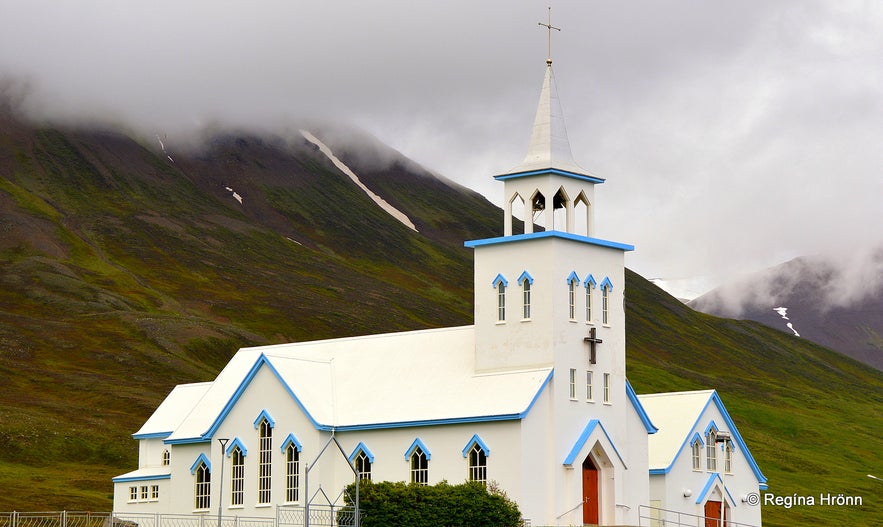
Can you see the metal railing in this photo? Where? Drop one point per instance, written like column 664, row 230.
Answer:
column 286, row 516
column 656, row 517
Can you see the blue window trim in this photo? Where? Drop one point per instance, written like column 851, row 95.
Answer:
column 525, row 276
column 734, row 433
column 590, row 280
column 697, row 438
column 550, row 234
column 711, row 425
column 607, row 284
column 573, row 278
column 264, row 415
column 476, row 440
column 201, row 459
column 500, row 279
column 291, row 439
column 709, row 484
column 236, row 443
column 361, row 448
column 417, row 443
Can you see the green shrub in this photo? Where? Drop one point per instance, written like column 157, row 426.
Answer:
column 389, row 504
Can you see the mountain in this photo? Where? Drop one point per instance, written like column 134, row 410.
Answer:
column 129, row 265
column 834, row 301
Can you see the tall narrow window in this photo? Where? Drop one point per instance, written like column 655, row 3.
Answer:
column 525, row 292
column 606, row 387
column 265, row 461
column 477, row 464
column 589, row 287
column 419, row 467
column 237, row 487
column 203, row 486
column 589, row 394
column 605, row 305
column 728, row 457
column 697, row 454
column 572, row 383
column 711, row 450
column 166, row 457
column 363, row 465
column 571, row 293
column 501, row 301
column 292, row 473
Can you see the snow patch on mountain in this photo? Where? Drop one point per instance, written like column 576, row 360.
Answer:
column 382, row 203
column 783, row 312
column 236, row 195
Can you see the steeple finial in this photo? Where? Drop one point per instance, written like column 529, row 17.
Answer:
column 548, row 25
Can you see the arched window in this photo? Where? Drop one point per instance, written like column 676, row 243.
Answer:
column 265, row 460
column 526, row 282
column 166, row 457
column 203, row 484
column 711, row 449
column 477, row 464
column 590, row 287
column 606, row 287
column 363, row 465
column 292, row 473
column 572, row 284
column 419, row 467
column 728, row 457
column 500, row 284
column 697, row 454
column 237, row 489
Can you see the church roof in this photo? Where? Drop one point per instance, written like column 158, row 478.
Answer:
column 549, row 146
column 173, row 410
column 677, row 415
column 378, row 381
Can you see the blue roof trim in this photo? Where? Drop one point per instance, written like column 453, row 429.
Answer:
column 550, row 234
column 124, row 479
column 606, row 284
column 236, row 443
column 636, row 404
column 264, row 415
column 557, row 171
column 734, row 432
column 476, row 440
column 709, row 485
column 153, row 435
column 361, row 448
column 525, row 276
column 201, row 459
column 291, row 439
column 499, row 279
column 417, row 443
column 572, row 277
column 584, row 436
column 590, row 280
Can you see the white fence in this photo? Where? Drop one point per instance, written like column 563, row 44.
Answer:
column 286, row 516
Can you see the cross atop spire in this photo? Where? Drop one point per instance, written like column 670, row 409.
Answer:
column 548, row 25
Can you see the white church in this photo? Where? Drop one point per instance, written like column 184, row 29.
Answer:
column 533, row 397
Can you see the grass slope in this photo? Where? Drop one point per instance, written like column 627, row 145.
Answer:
column 122, row 274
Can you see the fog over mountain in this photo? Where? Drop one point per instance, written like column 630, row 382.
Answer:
column 733, row 135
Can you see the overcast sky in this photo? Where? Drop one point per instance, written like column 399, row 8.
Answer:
column 732, row 135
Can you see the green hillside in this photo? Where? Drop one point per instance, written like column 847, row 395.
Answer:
column 123, row 273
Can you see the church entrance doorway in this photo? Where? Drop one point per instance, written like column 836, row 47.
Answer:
column 713, row 512
column 591, row 492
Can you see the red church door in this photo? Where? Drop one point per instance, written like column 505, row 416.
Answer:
column 713, row 514
column 590, row 492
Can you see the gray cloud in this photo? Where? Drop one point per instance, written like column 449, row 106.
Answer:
column 733, row 135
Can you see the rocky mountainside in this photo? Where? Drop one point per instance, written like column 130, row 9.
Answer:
column 835, row 302
column 129, row 265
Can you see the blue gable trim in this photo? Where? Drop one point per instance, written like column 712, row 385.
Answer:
column 123, row 479
column 699, row 438
column 581, row 441
column 636, row 404
column 236, row 443
column 201, row 459
column 550, row 170
column 264, row 415
column 291, row 439
column 711, row 425
column 476, row 440
column 572, row 277
column 498, row 280
column 550, row 234
column 715, row 477
column 417, row 443
column 590, row 281
column 607, row 284
column 734, row 433
column 361, row 448
column 525, row 276
column 153, row 435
